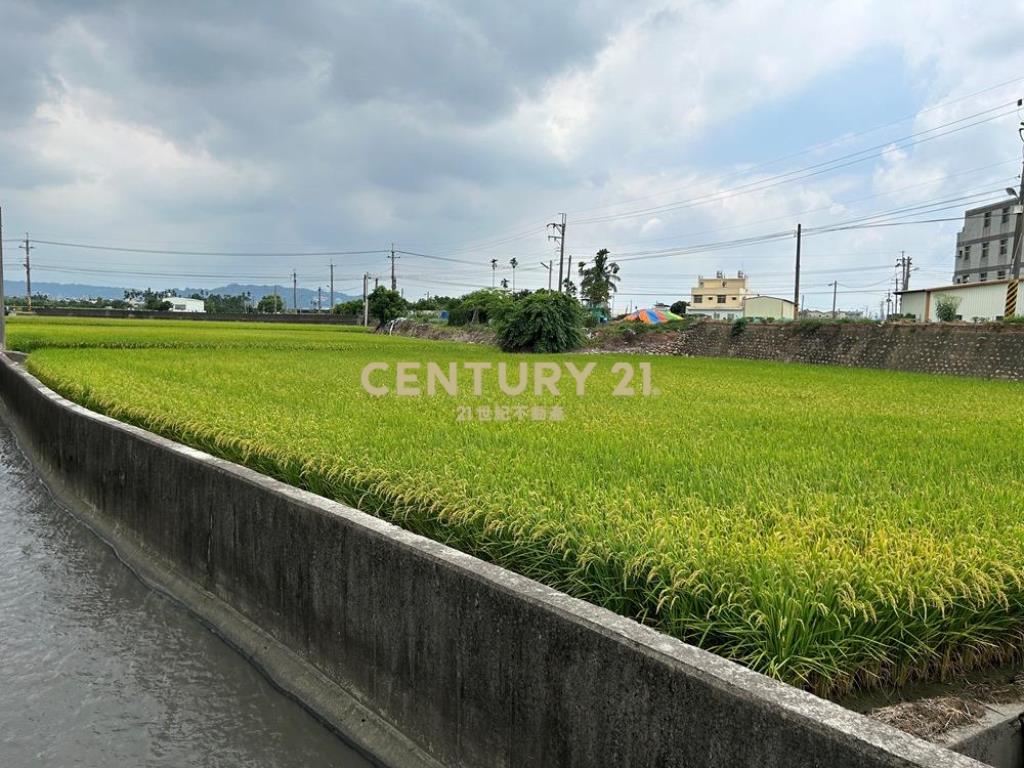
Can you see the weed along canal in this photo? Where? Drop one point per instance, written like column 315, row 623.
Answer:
column 96, row 669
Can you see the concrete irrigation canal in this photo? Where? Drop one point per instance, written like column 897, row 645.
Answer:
column 97, row 669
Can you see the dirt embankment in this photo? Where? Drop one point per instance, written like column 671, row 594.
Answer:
column 470, row 334
column 602, row 340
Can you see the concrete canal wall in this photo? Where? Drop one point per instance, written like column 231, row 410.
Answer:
column 472, row 664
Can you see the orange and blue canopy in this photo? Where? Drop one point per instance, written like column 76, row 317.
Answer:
column 653, row 316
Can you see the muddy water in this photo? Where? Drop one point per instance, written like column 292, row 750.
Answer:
column 98, row 670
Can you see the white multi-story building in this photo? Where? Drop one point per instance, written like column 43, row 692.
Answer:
column 985, row 244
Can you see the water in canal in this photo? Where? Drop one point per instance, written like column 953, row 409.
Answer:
column 97, row 670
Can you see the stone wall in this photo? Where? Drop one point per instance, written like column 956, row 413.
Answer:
column 993, row 351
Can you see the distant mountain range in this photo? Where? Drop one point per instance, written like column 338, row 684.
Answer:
column 306, row 297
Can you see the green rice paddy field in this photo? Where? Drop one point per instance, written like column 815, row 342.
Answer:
column 838, row 529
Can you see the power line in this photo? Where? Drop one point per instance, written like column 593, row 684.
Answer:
column 807, row 212
column 157, row 251
column 808, row 171
column 814, row 147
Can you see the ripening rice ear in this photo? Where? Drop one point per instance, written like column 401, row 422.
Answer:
column 789, row 517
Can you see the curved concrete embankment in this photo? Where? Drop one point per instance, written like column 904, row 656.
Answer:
column 412, row 649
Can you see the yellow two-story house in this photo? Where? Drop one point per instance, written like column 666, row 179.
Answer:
column 719, row 297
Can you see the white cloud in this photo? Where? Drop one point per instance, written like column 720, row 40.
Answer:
column 485, row 122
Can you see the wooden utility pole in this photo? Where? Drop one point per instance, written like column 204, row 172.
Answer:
column 295, row 292
column 835, row 286
column 332, row 286
column 319, row 298
column 3, row 303
column 796, row 283
column 27, row 247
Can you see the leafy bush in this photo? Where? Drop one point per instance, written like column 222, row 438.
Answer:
column 946, row 307
column 545, row 321
column 738, row 326
column 486, row 306
column 679, row 307
column 353, row 308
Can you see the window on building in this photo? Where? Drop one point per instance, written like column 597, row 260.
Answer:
column 721, row 299
column 1006, row 216
column 960, row 253
column 1002, row 247
column 984, row 250
column 1001, row 274
column 988, row 219
column 697, row 299
column 967, row 251
column 983, row 277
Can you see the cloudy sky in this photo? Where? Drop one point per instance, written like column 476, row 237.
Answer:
column 667, row 131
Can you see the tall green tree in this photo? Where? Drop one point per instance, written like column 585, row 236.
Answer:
column 598, row 281
column 386, row 305
column 270, row 304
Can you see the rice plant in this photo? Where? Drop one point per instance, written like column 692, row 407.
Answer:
column 837, row 529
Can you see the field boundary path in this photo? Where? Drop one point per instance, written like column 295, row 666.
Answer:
column 379, row 630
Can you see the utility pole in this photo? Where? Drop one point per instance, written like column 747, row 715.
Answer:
column 332, row 285
column 366, row 299
column 548, row 266
column 394, row 285
column 3, row 303
column 295, row 292
column 796, row 283
column 27, row 247
column 376, row 282
column 275, row 297
column 904, row 262
column 1018, row 231
column 835, row 286
column 903, row 278
column 560, row 239
column 319, row 298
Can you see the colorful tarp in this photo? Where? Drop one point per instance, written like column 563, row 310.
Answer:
column 653, row 316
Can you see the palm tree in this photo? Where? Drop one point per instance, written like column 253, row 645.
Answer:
column 514, row 264
column 494, row 267
column 504, row 283
column 598, row 282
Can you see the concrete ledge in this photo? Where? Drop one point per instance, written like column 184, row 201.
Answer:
column 475, row 665
column 996, row 740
